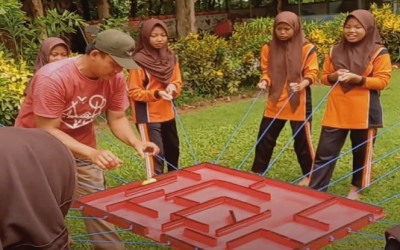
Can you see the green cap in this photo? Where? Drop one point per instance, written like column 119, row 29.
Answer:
column 118, row 45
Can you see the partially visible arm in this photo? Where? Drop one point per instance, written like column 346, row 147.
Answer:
column 123, row 130
column 176, row 80
column 327, row 73
column 264, row 65
column 381, row 74
column 310, row 71
column 136, row 89
column 103, row 158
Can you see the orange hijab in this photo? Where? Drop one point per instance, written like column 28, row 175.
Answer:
column 356, row 56
column 285, row 58
column 159, row 63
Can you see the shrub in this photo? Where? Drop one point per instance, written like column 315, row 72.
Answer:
column 389, row 28
column 13, row 79
column 324, row 34
column 201, row 60
column 22, row 37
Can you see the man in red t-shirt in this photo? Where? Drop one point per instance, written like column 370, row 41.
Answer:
column 66, row 97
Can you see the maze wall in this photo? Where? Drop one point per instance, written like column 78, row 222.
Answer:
column 210, row 206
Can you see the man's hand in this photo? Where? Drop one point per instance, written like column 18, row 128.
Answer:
column 105, row 159
column 146, row 147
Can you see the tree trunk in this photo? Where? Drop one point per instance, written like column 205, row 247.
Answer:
column 38, row 11
column 37, row 8
column 85, row 9
column 103, row 8
column 279, row 6
column 185, row 17
column 158, row 8
column 133, row 12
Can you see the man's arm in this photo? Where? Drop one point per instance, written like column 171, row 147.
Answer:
column 122, row 129
column 103, row 158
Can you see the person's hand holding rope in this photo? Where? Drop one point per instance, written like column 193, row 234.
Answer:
column 296, row 87
column 262, row 85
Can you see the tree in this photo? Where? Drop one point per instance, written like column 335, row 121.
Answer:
column 279, row 6
column 134, row 8
column 103, row 8
column 185, row 17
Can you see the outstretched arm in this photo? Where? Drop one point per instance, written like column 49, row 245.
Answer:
column 123, row 130
column 103, row 158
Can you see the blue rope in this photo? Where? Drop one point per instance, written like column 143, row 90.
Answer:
column 265, row 131
column 373, row 236
column 348, row 151
column 355, row 171
column 104, row 232
column 388, row 199
column 125, row 242
column 76, row 209
column 299, row 129
column 381, row 177
column 387, row 222
column 104, row 171
column 359, row 190
column 355, row 239
column 185, row 134
column 84, row 217
column 132, row 156
column 168, row 163
column 238, row 126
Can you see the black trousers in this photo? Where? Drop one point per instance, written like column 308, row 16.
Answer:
column 165, row 136
column 265, row 147
column 330, row 143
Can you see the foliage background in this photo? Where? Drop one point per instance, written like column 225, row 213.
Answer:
column 211, row 66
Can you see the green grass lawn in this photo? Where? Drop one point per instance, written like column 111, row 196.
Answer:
column 208, row 130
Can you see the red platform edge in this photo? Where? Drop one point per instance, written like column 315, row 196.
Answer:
column 209, row 206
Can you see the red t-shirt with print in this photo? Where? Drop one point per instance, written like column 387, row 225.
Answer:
column 60, row 90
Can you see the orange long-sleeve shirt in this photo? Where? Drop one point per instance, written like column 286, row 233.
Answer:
column 309, row 70
column 360, row 107
column 146, row 106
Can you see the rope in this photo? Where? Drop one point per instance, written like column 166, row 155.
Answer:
column 388, row 199
column 381, row 177
column 238, row 126
column 299, row 129
column 102, row 170
column 132, row 156
column 84, row 217
column 372, row 236
column 265, row 131
column 185, row 134
column 104, row 232
column 348, row 151
column 387, row 222
column 125, row 242
column 355, row 171
column 168, row 163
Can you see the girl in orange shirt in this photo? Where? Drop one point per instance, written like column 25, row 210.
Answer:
column 362, row 66
column 152, row 88
column 289, row 66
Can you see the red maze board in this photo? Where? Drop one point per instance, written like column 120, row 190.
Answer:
column 208, row 206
